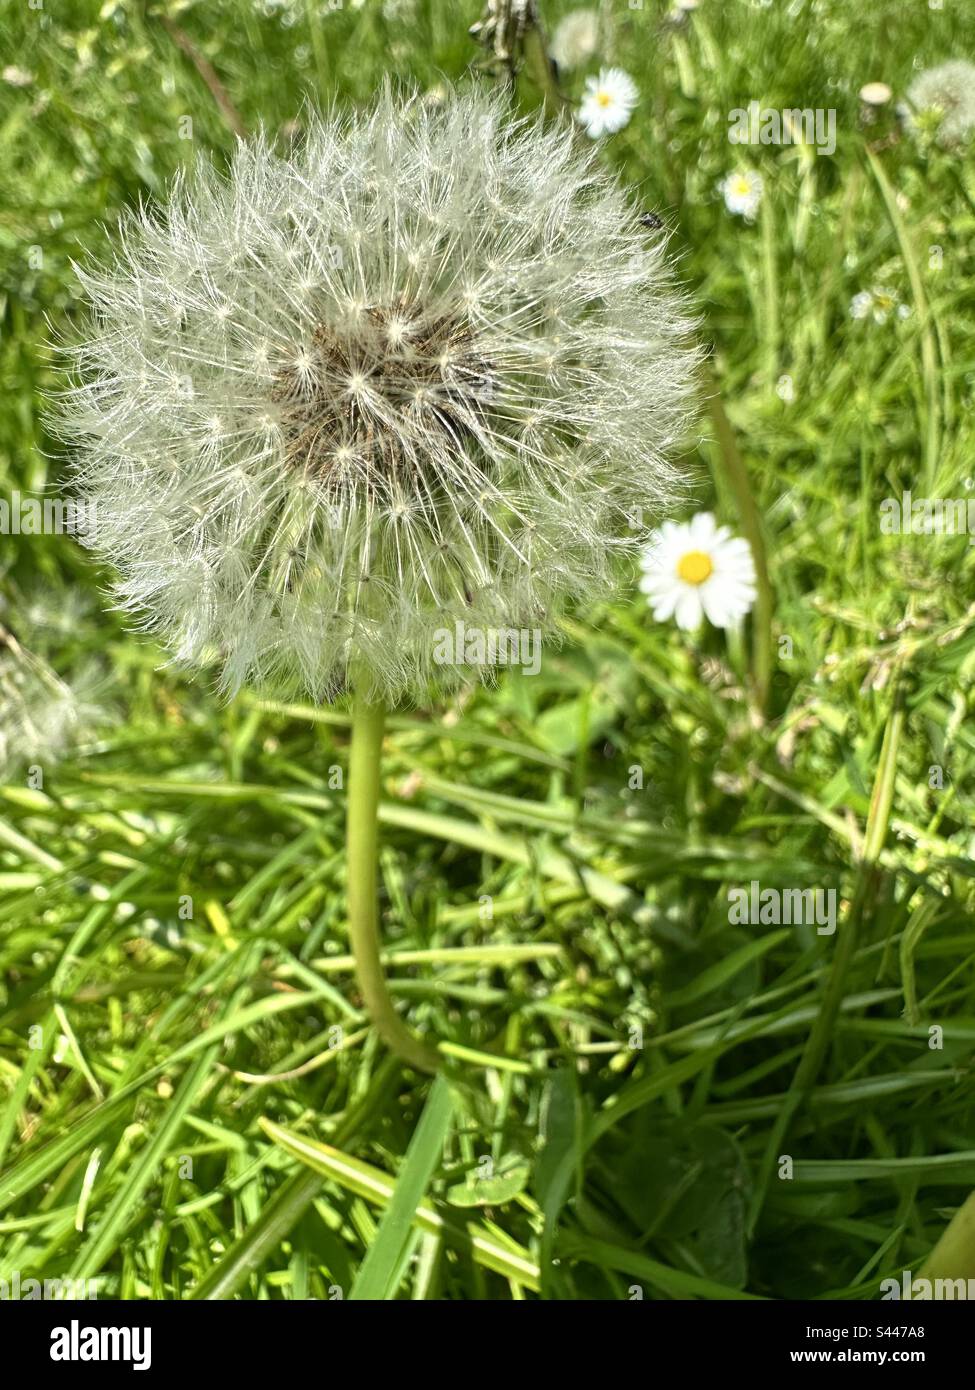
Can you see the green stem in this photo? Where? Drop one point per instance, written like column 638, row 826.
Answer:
column 540, row 66
column 931, row 416
column 736, row 477
column 362, row 844
column 770, row 276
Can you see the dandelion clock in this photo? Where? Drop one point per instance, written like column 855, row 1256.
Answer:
column 328, row 406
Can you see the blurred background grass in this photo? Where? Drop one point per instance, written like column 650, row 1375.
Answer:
column 179, row 1027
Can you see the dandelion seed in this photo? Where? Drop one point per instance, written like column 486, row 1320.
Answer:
column 698, row 570
column 608, row 102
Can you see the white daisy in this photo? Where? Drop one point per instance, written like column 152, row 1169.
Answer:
column 742, row 193
column 861, row 304
column 696, row 570
column 878, row 303
column 576, row 39
column 608, row 102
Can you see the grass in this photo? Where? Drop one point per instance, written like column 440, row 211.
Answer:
column 637, row 1091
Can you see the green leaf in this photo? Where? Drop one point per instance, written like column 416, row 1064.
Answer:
column 683, row 1182
column 113, row 1224
column 501, row 1254
column 561, row 1154
column 248, row 1253
column 494, row 1188
column 676, row 1283
column 379, row 1273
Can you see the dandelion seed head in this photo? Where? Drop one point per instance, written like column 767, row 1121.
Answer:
column 576, row 39
column 941, row 103
column 449, row 361
column 45, row 712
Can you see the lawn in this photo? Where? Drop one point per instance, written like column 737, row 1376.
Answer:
column 642, row 1093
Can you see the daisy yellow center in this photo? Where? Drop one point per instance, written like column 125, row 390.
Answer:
column 742, row 186
column 604, row 99
column 694, row 567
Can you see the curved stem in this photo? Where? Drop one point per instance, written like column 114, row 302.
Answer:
column 362, row 844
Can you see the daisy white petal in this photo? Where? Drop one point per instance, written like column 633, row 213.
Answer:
column 742, row 193
column 698, row 569
column 689, row 611
column 608, row 102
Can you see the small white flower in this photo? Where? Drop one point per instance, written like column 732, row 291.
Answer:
column 576, row 39
column 875, row 94
column 742, row 193
column 878, row 303
column 861, row 304
column 608, row 102
column 785, row 389
column 698, row 570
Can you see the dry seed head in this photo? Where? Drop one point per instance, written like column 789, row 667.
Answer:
column 941, row 101
column 417, row 373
